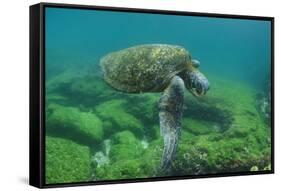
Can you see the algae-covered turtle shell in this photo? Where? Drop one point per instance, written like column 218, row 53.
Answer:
column 144, row 68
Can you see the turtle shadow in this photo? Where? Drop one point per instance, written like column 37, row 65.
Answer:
column 208, row 112
column 205, row 110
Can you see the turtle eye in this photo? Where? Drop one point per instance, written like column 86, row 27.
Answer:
column 195, row 63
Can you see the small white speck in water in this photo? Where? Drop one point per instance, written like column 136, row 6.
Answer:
column 100, row 159
column 144, row 144
column 107, row 146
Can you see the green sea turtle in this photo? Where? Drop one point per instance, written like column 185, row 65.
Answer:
column 157, row 68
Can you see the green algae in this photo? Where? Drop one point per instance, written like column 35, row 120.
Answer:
column 125, row 155
column 244, row 143
column 221, row 132
column 199, row 127
column 126, row 146
column 72, row 123
column 84, row 89
column 66, row 161
column 129, row 159
column 113, row 111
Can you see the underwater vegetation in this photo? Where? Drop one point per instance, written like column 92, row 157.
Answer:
column 96, row 133
column 263, row 99
column 67, row 161
column 70, row 121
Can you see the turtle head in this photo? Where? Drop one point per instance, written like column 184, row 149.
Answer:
column 195, row 81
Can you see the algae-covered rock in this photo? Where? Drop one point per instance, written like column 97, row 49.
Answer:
column 117, row 118
column 127, row 169
column 145, row 106
column 268, row 167
column 70, row 122
column 55, row 98
column 203, row 156
column 125, row 158
column 66, row 161
column 90, row 86
column 79, row 88
column 222, row 132
column 199, row 127
column 254, row 168
column 125, row 146
column 151, row 158
column 129, row 159
column 59, row 82
column 214, row 153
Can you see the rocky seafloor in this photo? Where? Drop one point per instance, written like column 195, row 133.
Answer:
column 95, row 133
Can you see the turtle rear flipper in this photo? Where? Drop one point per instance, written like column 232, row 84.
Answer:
column 170, row 114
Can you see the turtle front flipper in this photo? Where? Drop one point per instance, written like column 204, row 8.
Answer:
column 170, row 114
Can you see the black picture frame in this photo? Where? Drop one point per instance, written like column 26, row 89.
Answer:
column 37, row 93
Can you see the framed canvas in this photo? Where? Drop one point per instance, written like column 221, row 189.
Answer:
column 123, row 95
